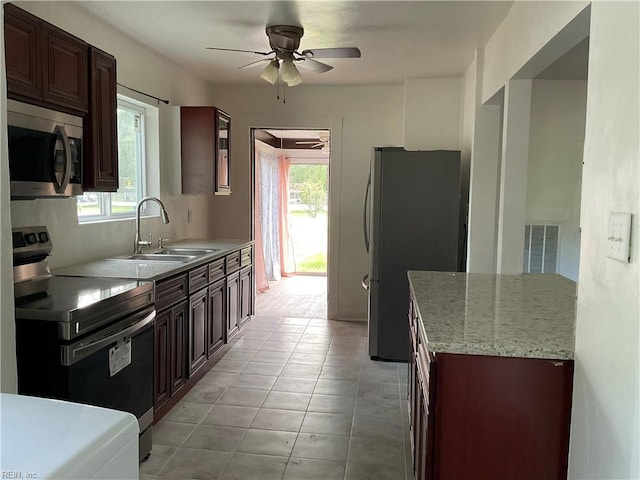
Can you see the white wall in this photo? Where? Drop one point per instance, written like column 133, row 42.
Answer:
column 525, row 30
column 156, row 75
column 359, row 118
column 432, row 113
column 481, row 142
column 8, row 379
column 554, row 171
column 513, row 176
column 605, row 433
column 605, row 424
column 139, row 68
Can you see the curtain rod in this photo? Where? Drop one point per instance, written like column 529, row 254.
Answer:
column 145, row 94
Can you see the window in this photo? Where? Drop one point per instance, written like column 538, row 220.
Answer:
column 132, row 166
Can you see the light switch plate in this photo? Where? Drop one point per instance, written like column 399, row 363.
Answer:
column 619, row 237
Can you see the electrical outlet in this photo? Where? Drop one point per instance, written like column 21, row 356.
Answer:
column 619, row 237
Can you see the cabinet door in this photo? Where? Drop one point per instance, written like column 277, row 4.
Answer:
column 216, row 328
column 23, row 53
column 246, row 294
column 197, row 148
column 198, row 319
column 233, row 304
column 222, row 158
column 177, row 341
column 100, row 130
column 161, row 360
column 65, row 72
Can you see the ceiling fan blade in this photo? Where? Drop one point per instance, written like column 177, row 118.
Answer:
column 313, row 65
column 235, row 50
column 345, row 52
column 257, row 63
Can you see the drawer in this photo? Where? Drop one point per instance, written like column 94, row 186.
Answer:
column 245, row 257
column 233, row 262
column 198, row 278
column 216, row 270
column 171, row 291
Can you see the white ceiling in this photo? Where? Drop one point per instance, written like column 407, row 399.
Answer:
column 398, row 39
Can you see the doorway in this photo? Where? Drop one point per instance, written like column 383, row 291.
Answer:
column 291, row 218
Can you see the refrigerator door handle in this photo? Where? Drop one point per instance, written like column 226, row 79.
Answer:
column 365, row 282
column 365, row 223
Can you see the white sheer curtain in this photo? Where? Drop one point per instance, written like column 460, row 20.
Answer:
column 269, row 188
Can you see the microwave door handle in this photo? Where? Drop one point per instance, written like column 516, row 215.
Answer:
column 66, row 177
column 365, row 226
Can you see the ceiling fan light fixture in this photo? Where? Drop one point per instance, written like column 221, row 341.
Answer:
column 296, row 81
column 290, row 74
column 270, row 72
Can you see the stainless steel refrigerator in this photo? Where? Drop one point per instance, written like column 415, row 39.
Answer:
column 412, row 221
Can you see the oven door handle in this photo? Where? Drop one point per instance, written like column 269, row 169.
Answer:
column 74, row 353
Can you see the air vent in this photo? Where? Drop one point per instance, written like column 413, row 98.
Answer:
column 541, row 248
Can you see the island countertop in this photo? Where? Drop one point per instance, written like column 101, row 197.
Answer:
column 529, row 315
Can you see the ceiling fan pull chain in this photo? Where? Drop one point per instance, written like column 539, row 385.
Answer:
column 278, row 87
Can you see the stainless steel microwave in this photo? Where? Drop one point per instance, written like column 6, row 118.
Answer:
column 45, row 152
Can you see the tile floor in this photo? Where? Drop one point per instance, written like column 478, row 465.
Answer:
column 294, row 399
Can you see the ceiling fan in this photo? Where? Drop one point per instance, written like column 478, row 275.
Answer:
column 322, row 143
column 284, row 41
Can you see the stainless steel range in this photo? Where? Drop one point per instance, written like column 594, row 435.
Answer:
column 86, row 340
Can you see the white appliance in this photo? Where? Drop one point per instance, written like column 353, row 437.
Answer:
column 53, row 439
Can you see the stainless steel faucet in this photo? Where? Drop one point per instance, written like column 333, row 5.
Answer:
column 138, row 243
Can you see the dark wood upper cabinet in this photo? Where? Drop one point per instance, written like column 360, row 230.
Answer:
column 65, row 69
column 44, row 65
column 23, row 53
column 197, row 146
column 100, row 129
column 204, row 149
column 49, row 67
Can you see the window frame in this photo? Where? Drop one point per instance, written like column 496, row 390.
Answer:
column 105, row 198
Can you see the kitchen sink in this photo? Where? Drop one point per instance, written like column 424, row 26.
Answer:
column 155, row 257
column 185, row 251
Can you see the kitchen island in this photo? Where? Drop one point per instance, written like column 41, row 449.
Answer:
column 490, row 374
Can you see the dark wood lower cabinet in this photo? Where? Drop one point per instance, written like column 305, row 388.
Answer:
column 215, row 330
column 487, row 417
column 178, row 341
column 233, row 304
column 246, row 294
column 161, row 383
column 200, row 313
column 170, row 372
column 198, row 319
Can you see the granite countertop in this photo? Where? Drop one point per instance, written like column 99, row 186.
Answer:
column 153, row 270
column 529, row 315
